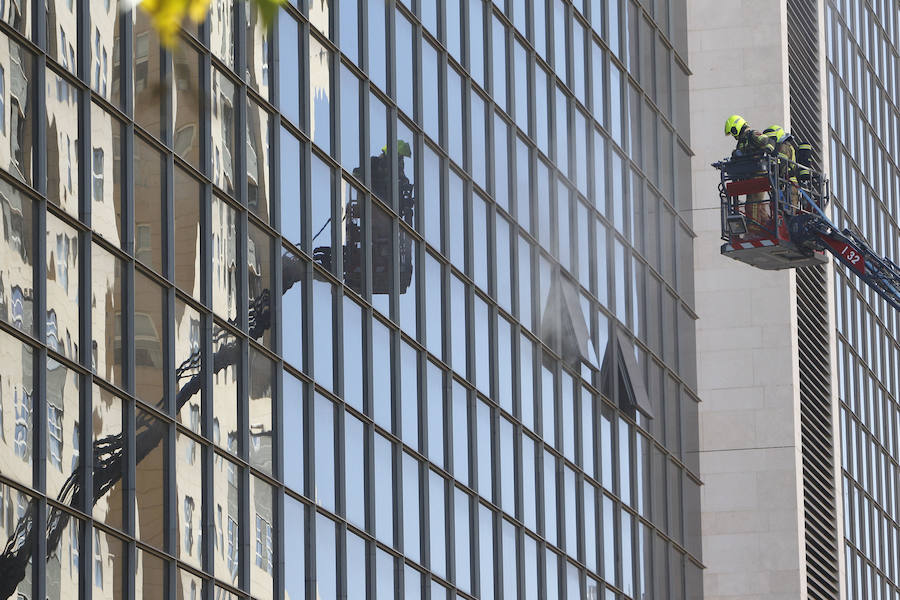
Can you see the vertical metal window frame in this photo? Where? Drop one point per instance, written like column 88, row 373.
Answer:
column 39, row 382
column 240, row 187
column 85, row 466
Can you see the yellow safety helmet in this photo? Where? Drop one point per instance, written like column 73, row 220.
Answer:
column 734, row 124
column 776, row 132
column 403, row 149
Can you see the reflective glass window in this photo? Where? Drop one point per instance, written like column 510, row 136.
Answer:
column 225, row 389
column 503, row 264
column 189, row 499
column 378, row 42
column 325, row 585
column 524, row 259
column 550, row 498
column 548, row 405
column 501, row 162
column 610, row 545
column 463, row 564
column 62, row 288
column 530, row 568
column 526, row 381
column 456, row 130
column 458, row 331
column 293, row 270
column 259, row 53
column 433, row 305
column 64, row 554
column 189, row 349
column 523, row 194
column 476, row 38
column 289, row 66
column 486, row 544
column 499, row 53
column 324, row 490
column 432, row 197
column 106, row 565
column 411, row 507
column 221, row 25
column 149, row 336
column 507, row 467
column 17, row 250
column 148, row 230
column 292, row 216
column 406, row 56
column 259, row 160
column 323, row 303
column 222, row 132
column 589, row 524
column 353, row 354
column 484, row 449
column 541, row 129
column 151, row 485
column 63, row 430
column 437, row 523
column 146, row 75
column 452, row 29
column 106, row 426
column 261, row 407
column 294, row 456
column 435, row 419
column 354, row 469
column 383, row 496
column 259, row 285
column 63, row 167
column 529, row 483
column 520, row 70
column 106, row 175
column 320, row 61
column 509, row 570
column 409, row 395
column 382, row 375
column 482, row 345
column 430, row 91
column 460, row 411
column 224, row 258
column 188, row 106
column 187, row 229
column 351, row 115
column 348, row 29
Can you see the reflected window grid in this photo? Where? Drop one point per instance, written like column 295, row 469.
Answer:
column 208, row 270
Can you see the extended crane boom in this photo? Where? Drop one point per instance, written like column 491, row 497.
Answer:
column 770, row 220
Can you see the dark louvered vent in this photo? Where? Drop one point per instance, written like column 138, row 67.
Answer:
column 819, row 485
column 819, row 493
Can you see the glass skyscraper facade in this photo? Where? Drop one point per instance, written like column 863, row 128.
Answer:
column 863, row 116
column 393, row 300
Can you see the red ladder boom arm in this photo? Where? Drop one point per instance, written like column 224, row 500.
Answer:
column 879, row 273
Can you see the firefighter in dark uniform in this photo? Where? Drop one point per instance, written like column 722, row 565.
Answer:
column 786, row 148
column 750, row 142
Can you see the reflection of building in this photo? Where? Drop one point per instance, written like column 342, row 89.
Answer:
column 480, row 383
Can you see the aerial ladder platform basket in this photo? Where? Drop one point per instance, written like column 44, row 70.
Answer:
column 772, row 220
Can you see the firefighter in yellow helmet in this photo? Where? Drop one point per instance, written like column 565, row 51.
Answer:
column 749, row 141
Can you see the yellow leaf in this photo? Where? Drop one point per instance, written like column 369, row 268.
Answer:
column 198, row 10
column 268, row 9
column 167, row 16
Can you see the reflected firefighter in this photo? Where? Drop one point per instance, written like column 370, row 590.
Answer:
column 382, row 234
